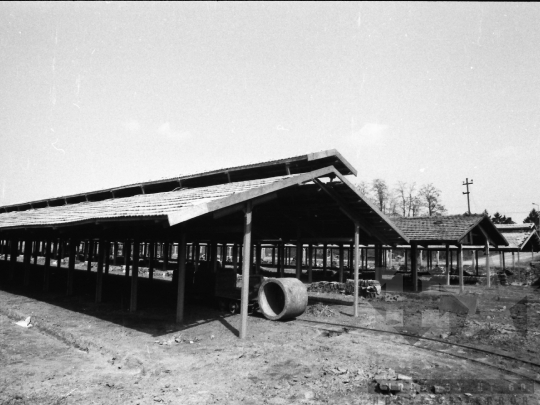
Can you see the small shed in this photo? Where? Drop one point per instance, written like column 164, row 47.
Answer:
column 446, row 232
column 522, row 238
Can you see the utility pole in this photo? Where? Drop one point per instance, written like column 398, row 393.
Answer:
column 466, row 183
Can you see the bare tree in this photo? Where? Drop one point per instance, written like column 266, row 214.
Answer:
column 430, row 196
column 413, row 202
column 401, row 197
column 380, row 191
column 394, row 206
column 415, row 206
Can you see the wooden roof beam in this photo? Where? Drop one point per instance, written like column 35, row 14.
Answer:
column 347, row 211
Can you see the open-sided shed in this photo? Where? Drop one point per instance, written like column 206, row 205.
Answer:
column 443, row 232
column 520, row 237
column 294, row 200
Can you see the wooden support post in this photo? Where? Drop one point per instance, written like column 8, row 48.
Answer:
column 341, row 262
column 472, row 259
column 356, row 265
column 273, row 255
column 513, row 262
column 310, row 263
column 107, row 253
column 85, row 253
column 437, row 258
column 460, row 267
column 376, row 261
column 165, row 255
column 36, row 248
column 350, row 259
column 252, row 255
column 245, row 269
column 258, row 254
column 61, row 252
column 414, row 266
column 71, row 266
column 324, row 264
column 451, row 260
column 503, row 261
column 99, row 275
column 13, row 259
column 181, row 279
column 488, row 270
column 26, row 261
column 518, row 256
column 476, row 256
column 115, row 253
column 126, row 250
column 90, row 254
column 390, row 253
column 279, row 262
column 151, row 259
column 47, row 267
column 298, row 259
column 289, row 255
column 447, row 264
column 135, row 276
column 406, row 267
column 240, row 256
column 235, row 257
column 224, row 255
column 213, row 256
column 420, row 260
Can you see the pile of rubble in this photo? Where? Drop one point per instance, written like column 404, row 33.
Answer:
column 503, row 279
column 320, row 310
column 327, row 287
column 390, row 382
column 367, row 288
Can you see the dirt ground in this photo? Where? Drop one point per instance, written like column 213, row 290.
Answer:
column 85, row 353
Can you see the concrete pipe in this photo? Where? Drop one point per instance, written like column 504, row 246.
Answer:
column 282, row 298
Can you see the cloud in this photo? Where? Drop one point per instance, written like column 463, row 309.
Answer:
column 132, row 126
column 166, row 131
column 370, row 134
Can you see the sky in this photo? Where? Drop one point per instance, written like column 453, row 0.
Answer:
column 103, row 94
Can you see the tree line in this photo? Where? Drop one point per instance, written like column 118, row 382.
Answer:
column 404, row 199
column 497, row 218
column 409, row 200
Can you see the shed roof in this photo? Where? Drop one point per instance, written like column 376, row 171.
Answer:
column 282, row 203
column 260, row 170
column 520, row 236
column 452, row 229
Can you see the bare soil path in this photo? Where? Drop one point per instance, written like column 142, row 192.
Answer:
column 80, row 352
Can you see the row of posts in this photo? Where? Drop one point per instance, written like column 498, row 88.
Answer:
column 232, row 254
column 89, row 251
column 135, row 250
